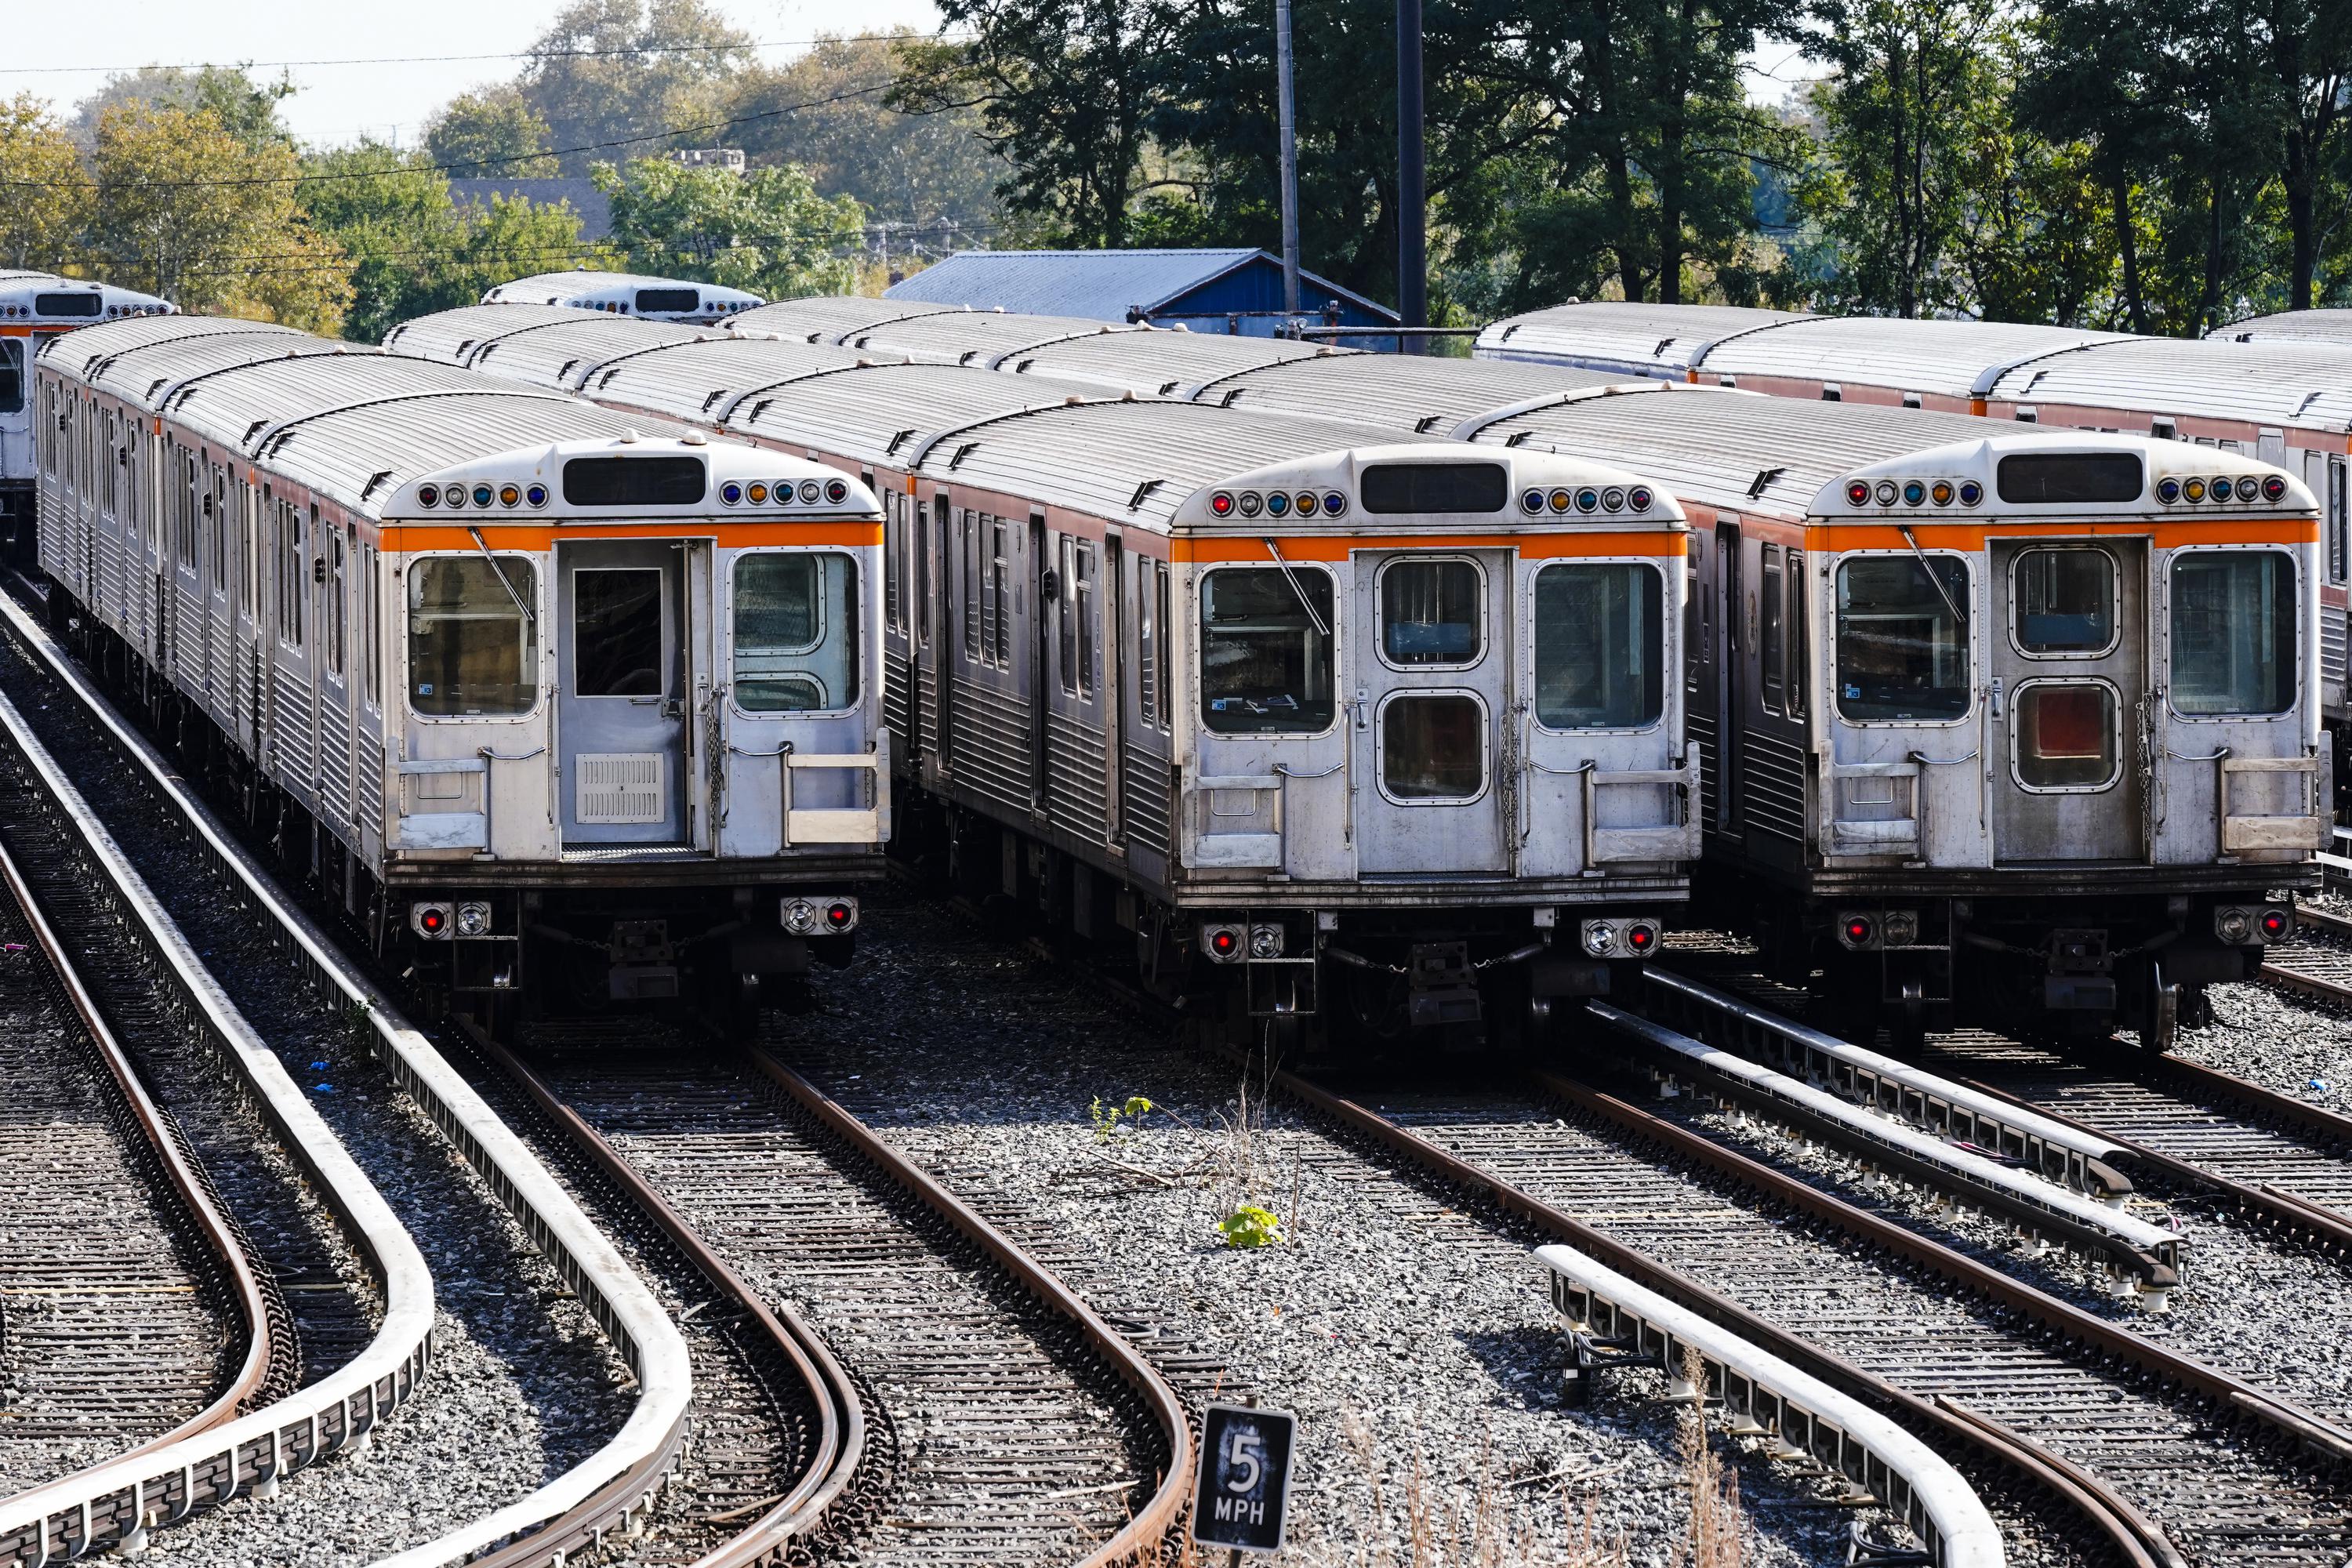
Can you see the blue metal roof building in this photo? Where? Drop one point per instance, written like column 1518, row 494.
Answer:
column 1237, row 290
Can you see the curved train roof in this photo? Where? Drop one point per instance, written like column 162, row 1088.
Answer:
column 1410, row 393
column 1161, row 360
column 1948, row 359
column 2323, row 326
column 706, row 379
column 882, row 413
column 349, row 422
column 44, row 298
column 623, row 292
column 1631, row 337
column 450, row 335
column 565, row 354
column 828, row 318
column 2276, row 381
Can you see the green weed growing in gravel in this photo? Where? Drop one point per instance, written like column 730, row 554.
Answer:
column 1250, row 1226
column 1107, row 1117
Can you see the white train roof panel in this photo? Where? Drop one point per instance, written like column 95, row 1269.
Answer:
column 142, row 375
column 972, row 336
column 1636, row 338
column 881, row 414
column 1162, row 362
column 2323, row 326
column 363, row 456
column 1735, row 454
column 79, row 353
column 1948, row 359
column 241, row 404
column 450, row 335
column 703, row 381
column 1408, row 391
column 828, row 318
column 2279, row 383
column 566, row 354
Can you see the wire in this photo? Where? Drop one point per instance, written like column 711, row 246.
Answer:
column 458, row 59
column 406, row 168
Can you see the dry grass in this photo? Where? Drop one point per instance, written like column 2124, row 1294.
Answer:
column 1719, row 1534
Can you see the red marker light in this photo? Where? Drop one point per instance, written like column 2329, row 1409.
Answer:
column 838, row 916
column 1857, row 494
column 836, row 491
column 2275, row 923
column 431, row 920
column 1858, row 931
column 1221, row 504
column 1224, row 942
column 1639, row 938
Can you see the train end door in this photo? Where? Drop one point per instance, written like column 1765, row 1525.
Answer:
column 621, row 672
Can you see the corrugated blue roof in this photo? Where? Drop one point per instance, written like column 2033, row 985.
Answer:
column 1101, row 285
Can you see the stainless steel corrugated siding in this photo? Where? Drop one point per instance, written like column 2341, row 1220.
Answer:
column 76, row 351
column 587, row 341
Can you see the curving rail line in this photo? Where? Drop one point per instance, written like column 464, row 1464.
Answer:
column 573, row 1512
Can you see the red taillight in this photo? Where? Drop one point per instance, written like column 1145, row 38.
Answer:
column 836, row 491
column 1221, row 504
column 1640, row 938
column 1225, row 943
column 431, row 922
column 838, row 916
column 1858, row 931
column 1857, row 494
column 2275, row 923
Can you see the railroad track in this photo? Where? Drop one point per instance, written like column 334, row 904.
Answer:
column 985, row 1414
column 132, row 1312
column 1969, row 1358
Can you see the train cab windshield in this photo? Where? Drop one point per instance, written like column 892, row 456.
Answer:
column 2233, row 631
column 1599, row 646
column 472, row 649
column 1266, row 650
column 796, row 632
column 1903, row 639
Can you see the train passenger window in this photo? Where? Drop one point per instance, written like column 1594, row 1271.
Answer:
column 2062, row 603
column 470, row 649
column 1772, row 651
column 616, row 633
column 370, row 643
column 1075, row 643
column 968, row 527
column 894, row 563
column 1693, row 629
column 2233, row 630
column 291, row 574
column 1001, row 604
column 1065, row 615
column 1432, row 612
column 338, row 613
column 1800, row 652
column 796, row 632
column 1434, row 747
column 1147, row 641
column 1601, row 657
column 12, row 374
column 1903, row 639
column 2065, row 736
column 1266, row 650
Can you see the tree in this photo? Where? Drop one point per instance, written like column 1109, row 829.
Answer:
column 247, row 108
column 608, row 72
column 489, row 134
column 44, row 194
column 2306, row 47
column 766, row 230
column 1066, row 90
column 828, row 112
column 184, row 208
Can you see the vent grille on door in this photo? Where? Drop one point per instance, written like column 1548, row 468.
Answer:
column 613, row 788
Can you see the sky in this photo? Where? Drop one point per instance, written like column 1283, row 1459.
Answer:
column 56, row 52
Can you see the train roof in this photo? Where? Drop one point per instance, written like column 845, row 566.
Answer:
column 566, row 354
column 1412, row 392
column 44, row 298
column 882, row 413
column 450, row 336
column 974, row 337
column 2322, row 326
column 1947, row 359
column 828, row 318
column 136, row 359
column 1631, row 337
column 2281, row 381
column 1165, row 362
column 626, row 293
column 706, row 380
column 1149, row 461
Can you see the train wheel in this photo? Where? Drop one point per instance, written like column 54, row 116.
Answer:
column 2160, row 1023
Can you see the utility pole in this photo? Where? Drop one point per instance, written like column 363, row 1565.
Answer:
column 1413, row 261
column 1289, row 99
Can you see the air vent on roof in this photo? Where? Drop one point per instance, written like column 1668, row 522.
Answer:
column 1166, row 387
column 463, row 345
column 895, row 441
column 2309, row 399
column 1911, row 400
column 566, row 369
column 2164, row 427
column 1832, row 393
column 1661, row 347
column 713, row 398
column 1764, row 477
column 1507, row 332
column 965, row 357
column 1422, row 427
column 760, row 407
column 1517, row 436
column 966, row 450
column 1141, row 490
column 251, row 431
column 1232, row 394
column 369, row 488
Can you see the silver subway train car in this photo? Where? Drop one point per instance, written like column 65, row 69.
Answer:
column 36, row 307
column 565, row 707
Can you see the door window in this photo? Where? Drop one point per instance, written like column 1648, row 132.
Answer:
column 616, row 632
column 2234, row 626
column 2065, row 735
column 1266, row 650
column 1600, row 653
column 12, row 375
column 1432, row 613
column 471, row 649
column 796, row 632
column 1434, row 747
column 2062, row 603
column 1903, row 639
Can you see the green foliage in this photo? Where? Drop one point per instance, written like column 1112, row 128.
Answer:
column 1107, row 1117
column 245, row 107
column 492, row 134
column 1250, row 1226
column 50, row 194
column 613, row 71
column 766, row 230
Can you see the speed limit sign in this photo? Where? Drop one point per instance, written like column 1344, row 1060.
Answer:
column 1241, row 1499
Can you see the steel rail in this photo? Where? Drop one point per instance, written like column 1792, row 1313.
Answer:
column 604, row 1492
column 267, row 1327
column 114, row 1505
column 1140, row 1539
column 2130, row 1537
column 840, row 1443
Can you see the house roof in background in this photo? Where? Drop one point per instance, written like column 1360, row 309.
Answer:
column 1101, row 285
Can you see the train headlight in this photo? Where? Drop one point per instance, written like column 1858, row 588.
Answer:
column 2274, row 488
column 1600, row 937
column 2233, row 925
column 1222, row 943
column 1857, row 933
column 1613, row 500
column 1250, row 502
column 473, row 920
column 2248, row 487
column 1887, row 492
column 1266, row 942
column 810, row 491
column 800, row 917
column 1899, row 927
column 431, row 922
